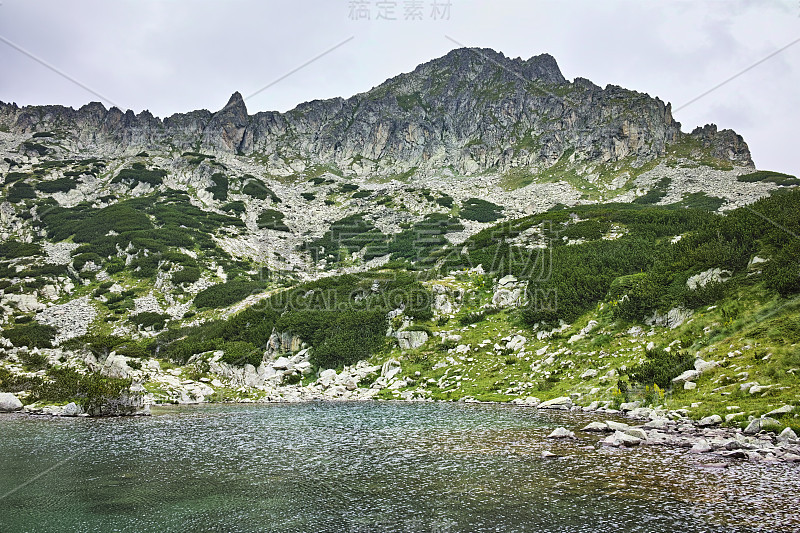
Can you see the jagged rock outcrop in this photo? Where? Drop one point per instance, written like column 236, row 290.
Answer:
column 724, row 144
column 469, row 111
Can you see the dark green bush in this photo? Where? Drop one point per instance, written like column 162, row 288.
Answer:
column 31, row 146
column 92, row 391
column 139, row 174
column 480, row 210
column 272, row 219
column 225, row 294
column 474, row 317
column 654, row 195
column 56, row 185
column 240, row 353
column 237, row 207
column 661, row 367
column 10, row 382
column 115, row 265
column 445, row 201
column 187, row 275
column 19, row 192
column 347, row 235
column 33, row 335
column 258, row 190
column 33, row 361
column 777, row 178
column 219, row 189
column 309, row 196
column 14, row 249
column 150, row 319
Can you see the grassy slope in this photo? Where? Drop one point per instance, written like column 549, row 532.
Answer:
column 731, row 332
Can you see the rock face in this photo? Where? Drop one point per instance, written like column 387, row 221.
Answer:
column 9, row 403
column 471, row 110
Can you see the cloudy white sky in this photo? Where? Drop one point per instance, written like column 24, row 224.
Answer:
column 179, row 55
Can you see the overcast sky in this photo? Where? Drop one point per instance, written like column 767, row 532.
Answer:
column 180, row 55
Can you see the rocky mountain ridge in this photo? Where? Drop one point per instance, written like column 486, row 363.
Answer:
column 471, row 111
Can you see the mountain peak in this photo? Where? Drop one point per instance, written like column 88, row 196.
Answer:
column 235, row 104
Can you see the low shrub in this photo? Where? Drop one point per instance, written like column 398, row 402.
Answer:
column 661, row 367
column 92, row 391
column 19, row 192
column 225, row 294
column 272, row 219
column 187, row 275
column 56, row 185
column 33, row 335
column 139, row 174
column 219, row 189
column 240, row 353
column 147, row 319
column 33, row 361
column 14, row 249
column 480, row 210
column 258, row 190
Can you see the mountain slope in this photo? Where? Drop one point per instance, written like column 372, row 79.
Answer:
column 226, row 242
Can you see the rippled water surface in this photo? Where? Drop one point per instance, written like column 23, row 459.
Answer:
column 367, row 467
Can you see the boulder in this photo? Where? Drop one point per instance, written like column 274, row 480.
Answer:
column 516, row 343
column 327, row 377
column 712, row 275
column 621, row 439
column 304, row 367
column 755, row 389
column 689, row 385
column 636, row 432
column 390, row 369
column 616, row 426
column 589, row 374
column 786, row 435
column 282, row 363
column 507, row 297
column 758, row 424
column 506, row 281
column 561, row 433
column 9, row 403
column 530, row 401
column 701, row 446
column 641, row 413
column 747, row 386
column 562, row 402
column 689, row 375
column 71, row 409
column 116, row 366
column 785, row 410
column 629, row 406
column 597, row 426
column 410, row 340
column 704, row 366
column 713, row 420
column 657, row 423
